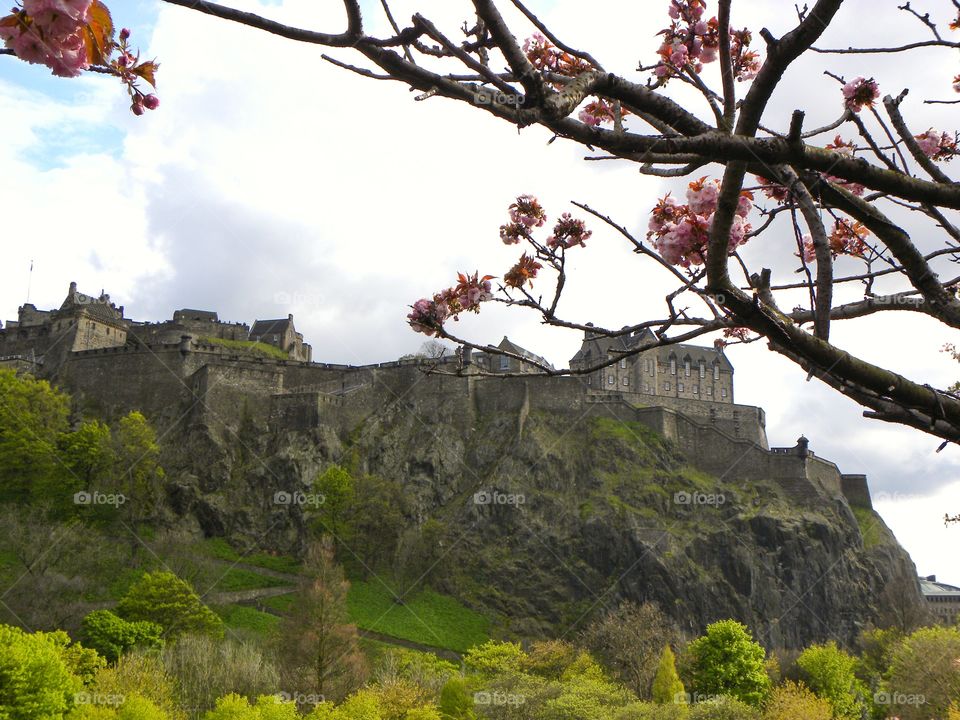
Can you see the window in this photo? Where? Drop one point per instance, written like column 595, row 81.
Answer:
column 686, row 368
column 710, row 391
column 666, row 386
column 703, row 370
column 626, row 381
column 696, row 389
column 504, row 362
column 646, row 365
column 623, row 363
column 673, row 366
column 723, row 392
column 646, row 387
column 679, row 387
column 716, row 372
column 589, row 380
column 611, row 380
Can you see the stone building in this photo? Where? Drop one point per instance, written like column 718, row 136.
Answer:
column 493, row 363
column 942, row 599
column 82, row 322
column 282, row 334
column 683, row 372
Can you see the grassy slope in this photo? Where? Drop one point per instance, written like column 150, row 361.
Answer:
column 428, row 618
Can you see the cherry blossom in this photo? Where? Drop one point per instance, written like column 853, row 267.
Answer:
column 847, row 238
column 599, row 111
column 568, row 232
column 681, row 233
column 428, row 316
column 847, row 149
column 522, row 273
column 860, row 93
column 70, row 36
column 545, row 56
column 937, row 145
column 773, row 190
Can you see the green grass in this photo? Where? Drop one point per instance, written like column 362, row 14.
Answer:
column 280, row 603
column 239, row 579
column 870, row 527
column 428, row 617
column 241, row 617
column 222, row 550
column 248, row 346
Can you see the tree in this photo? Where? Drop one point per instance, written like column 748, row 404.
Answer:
column 727, row 661
column 829, row 671
column 38, row 677
column 163, row 598
column 111, row 636
column 317, row 646
column 138, row 475
column 337, row 487
column 667, row 687
column 205, row 668
column 136, row 675
column 33, row 416
column 456, row 702
column 628, row 641
column 794, row 701
column 924, row 675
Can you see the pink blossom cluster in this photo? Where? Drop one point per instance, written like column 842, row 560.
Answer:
column 49, row 32
column 847, row 238
column 746, row 63
column 599, row 111
column 681, row 233
column 568, row 232
column 545, row 56
column 773, row 190
column 690, row 40
column 738, row 334
column 860, row 93
column 936, row 145
column 526, row 213
column 523, row 272
column 428, row 316
column 847, row 149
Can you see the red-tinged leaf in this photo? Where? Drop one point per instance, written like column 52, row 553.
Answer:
column 147, row 71
column 10, row 20
column 98, row 33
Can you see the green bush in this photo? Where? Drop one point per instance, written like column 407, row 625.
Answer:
column 723, row 707
column 727, row 661
column 829, row 671
column 163, row 598
column 111, row 636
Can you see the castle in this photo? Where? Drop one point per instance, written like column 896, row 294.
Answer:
column 198, row 370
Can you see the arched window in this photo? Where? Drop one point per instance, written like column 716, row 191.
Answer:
column 686, row 366
column 703, row 370
column 673, row 364
column 716, row 371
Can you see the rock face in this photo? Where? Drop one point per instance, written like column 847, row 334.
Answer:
column 542, row 519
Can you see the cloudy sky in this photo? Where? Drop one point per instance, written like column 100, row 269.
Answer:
column 271, row 182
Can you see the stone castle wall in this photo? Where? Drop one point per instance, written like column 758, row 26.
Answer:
column 193, row 382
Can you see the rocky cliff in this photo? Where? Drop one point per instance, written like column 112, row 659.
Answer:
column 542, row 519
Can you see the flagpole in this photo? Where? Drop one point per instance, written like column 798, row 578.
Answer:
column 29, row 280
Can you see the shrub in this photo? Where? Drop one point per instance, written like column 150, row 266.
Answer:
column 794, row 701
column 111, row 636
column 829, row 672
column 726, row 661
column 667, row 687
column 163, row 598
